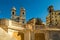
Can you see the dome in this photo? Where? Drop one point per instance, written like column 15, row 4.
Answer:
column 37, row 21
column 22, row 8
column 13, row 8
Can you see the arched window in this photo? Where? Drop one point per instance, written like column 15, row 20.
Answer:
column 12, row 13
column 23, row 13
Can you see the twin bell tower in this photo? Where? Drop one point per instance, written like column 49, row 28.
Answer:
column 21, row 18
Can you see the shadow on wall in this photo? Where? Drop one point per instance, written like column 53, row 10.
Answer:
column 4, row 35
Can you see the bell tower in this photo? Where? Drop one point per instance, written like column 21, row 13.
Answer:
column 13, row 13
column 50, row 9
column 22, row 16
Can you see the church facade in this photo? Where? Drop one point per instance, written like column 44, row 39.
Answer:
column 34, row 29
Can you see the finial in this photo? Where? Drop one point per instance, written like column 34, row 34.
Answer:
column 13, row 8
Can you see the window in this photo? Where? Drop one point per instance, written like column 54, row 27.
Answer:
column 58, row 13
column 56, row 20
column 23, row 21
column 56, row 36
column 55, row 13
column 12, row 13
column 52, row 13
column 23, row 13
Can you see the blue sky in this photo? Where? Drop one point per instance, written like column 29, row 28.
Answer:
column 34, row 8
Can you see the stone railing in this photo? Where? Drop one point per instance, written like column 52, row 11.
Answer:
column 15, row 23
column 39, row 27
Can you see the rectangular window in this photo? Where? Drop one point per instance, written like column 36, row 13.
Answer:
column 58, row 13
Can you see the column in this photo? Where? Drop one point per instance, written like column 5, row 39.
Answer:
column 46, row 35
column 27, row 35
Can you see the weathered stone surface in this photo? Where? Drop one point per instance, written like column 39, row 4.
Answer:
column 4, row 35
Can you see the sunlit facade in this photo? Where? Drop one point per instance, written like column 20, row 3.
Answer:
column 53, row 17
column 34, row 29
